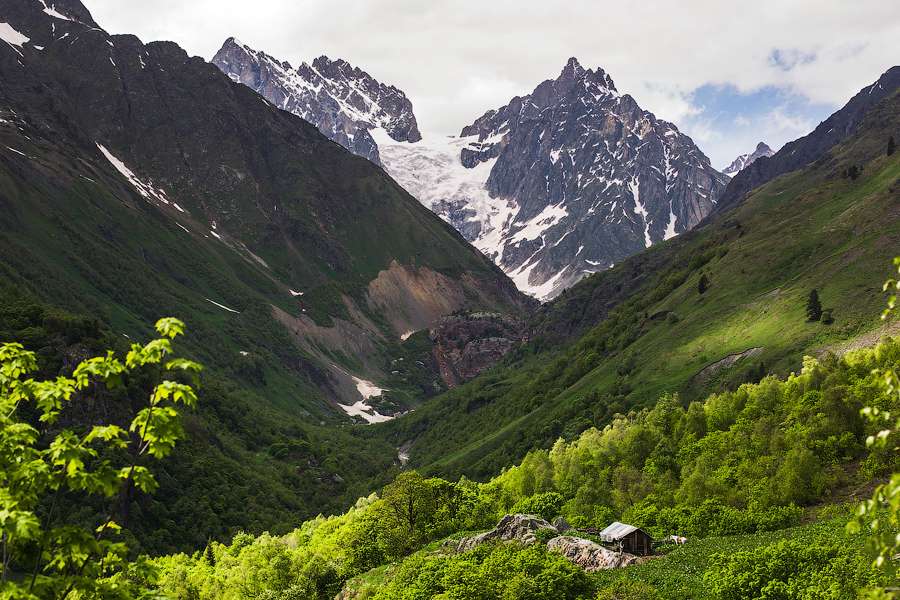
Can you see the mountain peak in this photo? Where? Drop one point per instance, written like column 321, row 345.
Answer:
column 745, row 160
column 574, row 73
column 343, row 101
column 573, row 67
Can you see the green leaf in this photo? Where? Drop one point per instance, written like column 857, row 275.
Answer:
column 170, row 327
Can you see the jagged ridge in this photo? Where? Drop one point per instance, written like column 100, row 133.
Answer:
column 342, row 101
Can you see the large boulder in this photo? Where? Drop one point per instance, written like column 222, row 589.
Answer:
column 562, row 525
column 519, row 526
column 588, row 555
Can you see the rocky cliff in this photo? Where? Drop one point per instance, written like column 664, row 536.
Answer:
column 588, row 178
column 343, row 101
column 467, row 345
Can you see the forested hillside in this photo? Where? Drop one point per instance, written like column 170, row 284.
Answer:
column 735, row 464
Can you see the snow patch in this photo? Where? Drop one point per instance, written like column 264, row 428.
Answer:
column 223, row 306
column 406, row 335
column 50, row 10
column 640, row 210
column 543, row 291
column 360, row 409
column 11, row 36
column 147, row 190
column 293, row 293
column 670, row 228
column 534, row 227
column 366, row 388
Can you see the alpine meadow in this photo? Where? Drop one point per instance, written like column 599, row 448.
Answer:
column 238, row 360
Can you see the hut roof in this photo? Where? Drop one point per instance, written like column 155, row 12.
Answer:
column 616, row 532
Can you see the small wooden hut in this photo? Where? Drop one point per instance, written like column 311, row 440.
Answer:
column 628, row 538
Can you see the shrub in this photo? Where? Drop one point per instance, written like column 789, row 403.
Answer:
column 791, row 569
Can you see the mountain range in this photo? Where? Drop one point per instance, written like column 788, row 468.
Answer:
column 553, row 186
column 138, row 182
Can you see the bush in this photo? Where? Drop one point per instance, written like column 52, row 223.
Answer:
column 790, row 569
column 827, row 319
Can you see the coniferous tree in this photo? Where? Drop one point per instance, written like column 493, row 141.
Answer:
column 891, row 146
column 703, row 284
column 813, row 306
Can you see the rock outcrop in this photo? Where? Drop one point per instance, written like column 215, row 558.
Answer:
column 562, row 525
column 589, row 555
column 519, row 526
column 467, row 345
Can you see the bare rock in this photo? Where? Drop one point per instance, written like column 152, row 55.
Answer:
column 588, row 555
column 511, row 527
column 562, row 525
column 467, row 345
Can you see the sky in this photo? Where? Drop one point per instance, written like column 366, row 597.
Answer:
column 728, row 74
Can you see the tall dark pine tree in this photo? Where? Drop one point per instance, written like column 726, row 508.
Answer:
column 891, row 146
column 703, row 284
column 813, row 306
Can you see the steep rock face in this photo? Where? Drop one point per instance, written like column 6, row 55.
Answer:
column 465, row 346
column 745, row 160
column 342, row 101
column 799, row 153
column 519, row 526
column 587, row 178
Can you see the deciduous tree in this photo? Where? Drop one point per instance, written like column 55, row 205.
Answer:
column 62, row 560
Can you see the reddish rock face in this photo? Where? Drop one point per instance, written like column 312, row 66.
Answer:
column 465, row 346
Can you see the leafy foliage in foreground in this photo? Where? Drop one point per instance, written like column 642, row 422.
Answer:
column 62, row 559
column 790, row 569
column 491, row 571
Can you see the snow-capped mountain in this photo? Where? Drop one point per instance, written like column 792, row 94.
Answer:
column 342, row 101
column 744, row 160
column 553, row 186
column 586, row 178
